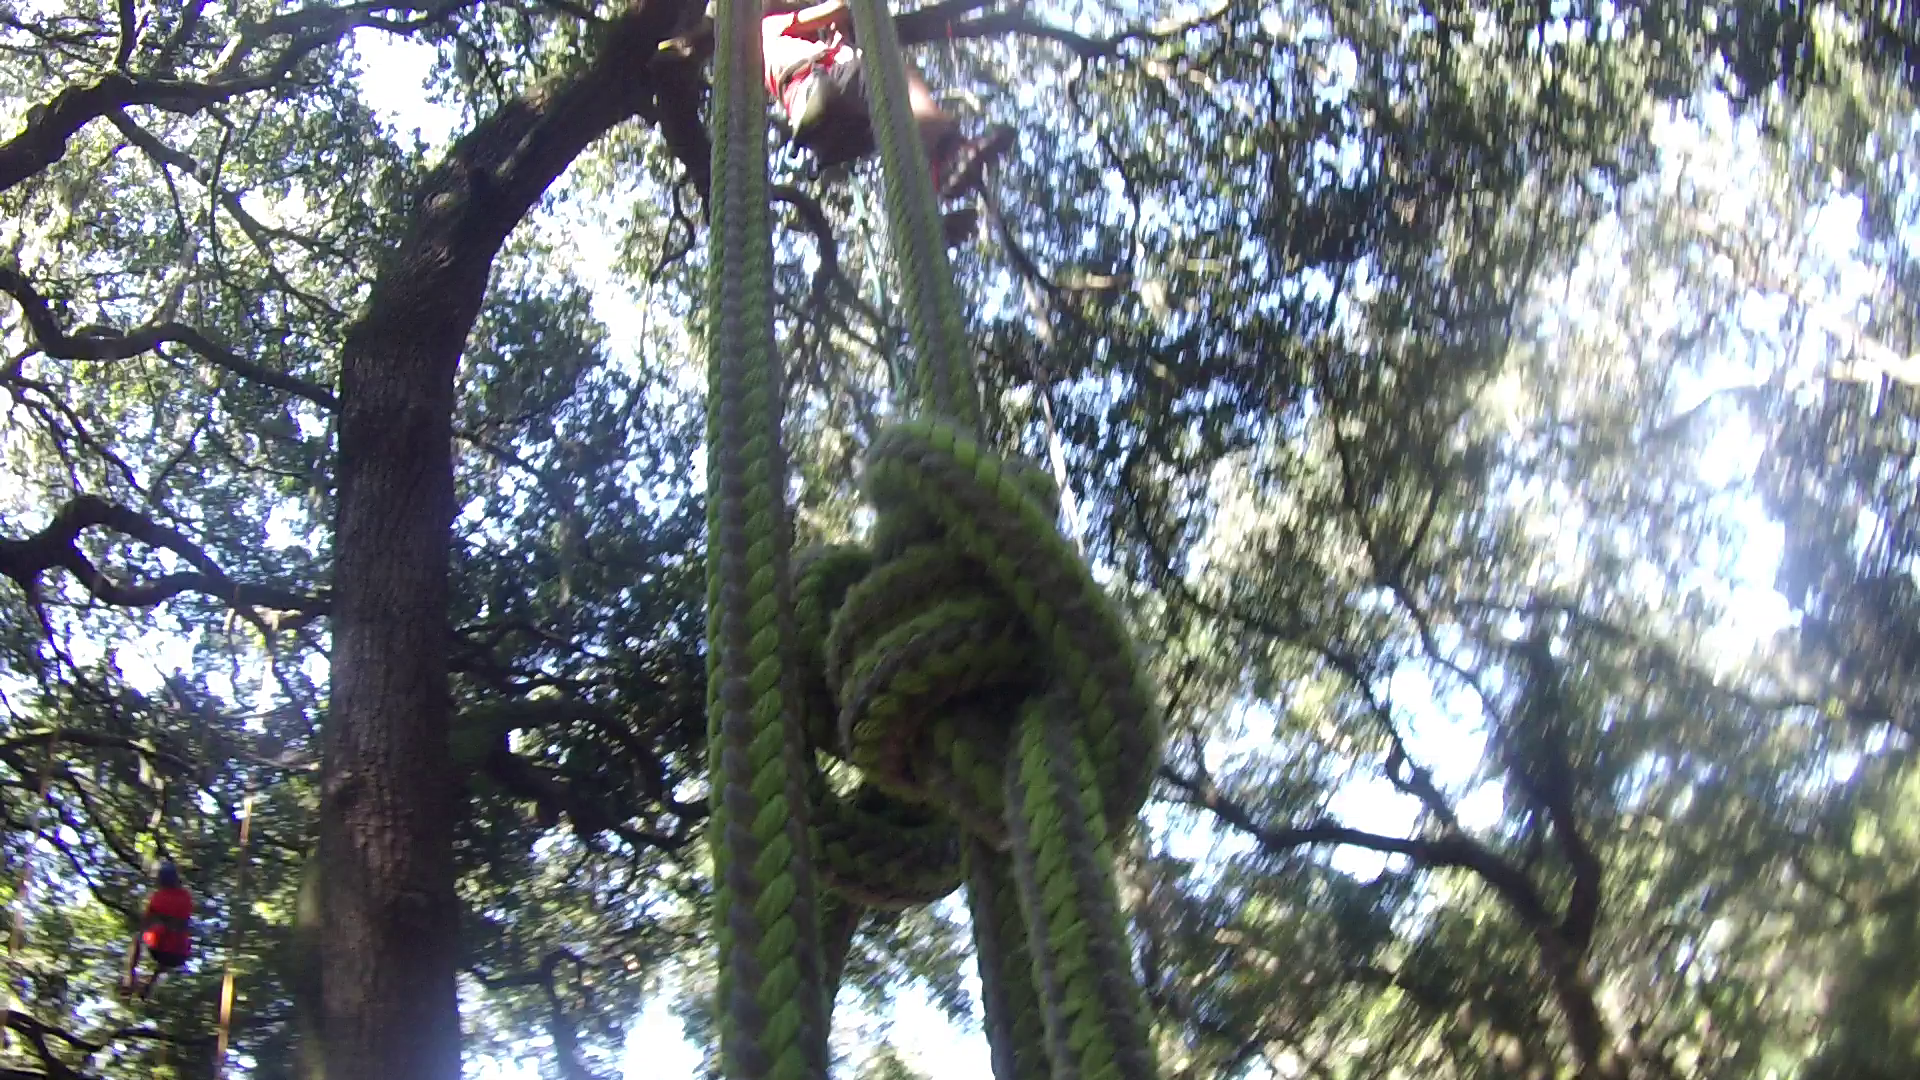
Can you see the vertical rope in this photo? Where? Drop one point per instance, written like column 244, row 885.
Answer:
column 1008, row 1002
column 156, row 821
column 772, row 1007
column 1091, row 1004
column 839, row 921
column 234, row 937
column 932, row 302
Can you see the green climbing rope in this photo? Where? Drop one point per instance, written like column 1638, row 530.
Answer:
column 930, row 300
column 980, row 669
column 966, row 664
column 772, row 1007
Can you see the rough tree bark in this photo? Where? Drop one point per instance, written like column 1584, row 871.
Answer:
column 387, row 902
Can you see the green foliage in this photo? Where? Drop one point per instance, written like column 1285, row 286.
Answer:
column 885, row 1064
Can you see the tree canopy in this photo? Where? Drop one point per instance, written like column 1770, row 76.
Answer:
column 1495, row 417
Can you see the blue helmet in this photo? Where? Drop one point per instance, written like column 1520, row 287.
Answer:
column 169, row 875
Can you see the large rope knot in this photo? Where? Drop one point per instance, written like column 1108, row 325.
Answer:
column 971, row 632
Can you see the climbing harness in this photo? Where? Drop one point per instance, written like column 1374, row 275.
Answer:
column 965, row 661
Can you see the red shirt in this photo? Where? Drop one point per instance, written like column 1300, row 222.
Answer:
column 167, row 913
column 782, row 53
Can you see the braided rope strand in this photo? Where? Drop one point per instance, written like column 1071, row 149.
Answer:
column 886, row 853
column 839, row 922
column 930, row 300
column 1008, row 1001
column 1063, row 866
column 991, row 515
column 772, row 1006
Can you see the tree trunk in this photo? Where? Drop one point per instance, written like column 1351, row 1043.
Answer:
column 387, row 994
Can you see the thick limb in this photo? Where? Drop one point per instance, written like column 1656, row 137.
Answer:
column 937, row 129
column 811, row 20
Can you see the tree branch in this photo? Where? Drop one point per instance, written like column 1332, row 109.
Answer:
column 53, row 123
column 100, row 740
column 1563, row 964
column 551, row 789
column 1547, row 775
column 260, row 235
column 55, row 341
column 679, row 88
column 560, row 1026
column 37, row 1035
column 1455, row 851
column 123, row 52
column 39, row 1032
column 817, row 223
column 1668, row 660
column 26, row 561
column 1006, row 23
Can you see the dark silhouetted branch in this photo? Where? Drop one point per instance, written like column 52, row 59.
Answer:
column 1562, row 963
column 52, row 124
column 26, row 561
column 54, row 340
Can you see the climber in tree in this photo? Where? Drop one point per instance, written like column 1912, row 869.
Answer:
column 818, row 79
column 163, row 931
